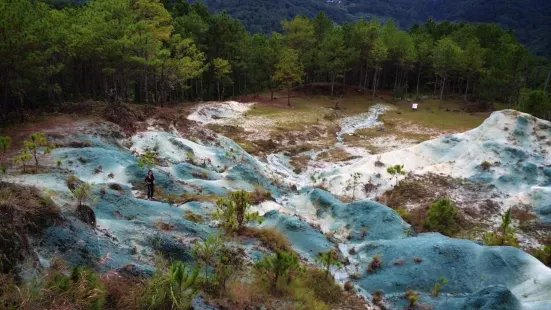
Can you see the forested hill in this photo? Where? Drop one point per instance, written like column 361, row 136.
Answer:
column 531, row 19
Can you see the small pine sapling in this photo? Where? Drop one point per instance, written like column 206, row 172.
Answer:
column 327, row 260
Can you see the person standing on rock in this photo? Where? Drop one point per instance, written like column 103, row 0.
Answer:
column 150, row 181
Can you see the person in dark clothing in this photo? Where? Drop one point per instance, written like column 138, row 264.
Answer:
column 150, row 181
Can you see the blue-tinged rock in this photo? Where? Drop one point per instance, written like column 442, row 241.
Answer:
column 365, row 219
column 496, row 297
column 428, row 257
column 170, row 247
column 305, row 239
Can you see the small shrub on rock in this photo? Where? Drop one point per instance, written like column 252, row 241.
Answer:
column 328, row 259
column 485, row 166
column 412, row 298
column 544, row 254
column 438, row 286
column 233, row 211
column 375, row 263
column 442, row 217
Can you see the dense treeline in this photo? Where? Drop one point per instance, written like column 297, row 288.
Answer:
column 530, row 19
column 149, row 52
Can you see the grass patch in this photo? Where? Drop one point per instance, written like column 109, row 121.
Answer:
column 270, row 237
column 193, row 217
column 334, row 155
column 24, row 211
column 260, row 194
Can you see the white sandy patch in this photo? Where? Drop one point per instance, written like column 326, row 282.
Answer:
column 218, row 112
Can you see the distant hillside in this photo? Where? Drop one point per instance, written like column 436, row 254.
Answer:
column 530, row 19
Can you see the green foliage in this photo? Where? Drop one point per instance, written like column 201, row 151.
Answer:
column 442, row 217
column 485, row 165
column 233, row 211
column 5, row 143
column 170, row 287
column 412, row 298
column 82, row 192
column 396, row 171
column 505, row 235
column 438, row 286
column 537, row 103
column 83, row 288
column 543, row 254
column 278, row 269
column 147, row 160
column 22, row 158
column 222, row 69
column 153, row 52
column 205, row 253
column 327, row 260
column 37, row 141
column 288, row 70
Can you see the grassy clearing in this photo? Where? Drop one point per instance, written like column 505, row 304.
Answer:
column 334, row 155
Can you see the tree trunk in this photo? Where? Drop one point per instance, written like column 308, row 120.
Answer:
column 442, row 90
column 288, row 96
column 272, row 94
column 466, row 89
column 396, row 79
column 333, row 83
column 374, row 84
column 366, row 75
column 435, row 83
column 547, row 81
column 218, row 89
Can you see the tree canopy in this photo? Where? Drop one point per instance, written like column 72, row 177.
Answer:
column 155, row 52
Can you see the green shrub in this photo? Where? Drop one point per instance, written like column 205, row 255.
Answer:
column 82, row 192
column 328, row 259
column 82, row 289
column 396, row 171
column 505, row 234
column 412, row 298
column 170, row 287
column 147, row 160
column 205, row 253
column 325, row 289
column 442, row 217
column 5, row 143
column 485, row 166
column 403, row 213
column 22, row 158
column 278, row 269
column 72, row 181
column 438, row 286
column 544, row 254
column 270, row 237
column 37, row 141
column 232, row 211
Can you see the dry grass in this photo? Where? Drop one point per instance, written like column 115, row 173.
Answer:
column 334, row 155
column 164, row 226
column 193, row 217
column 270, row 237
column 299, row 162
column 260, row 194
